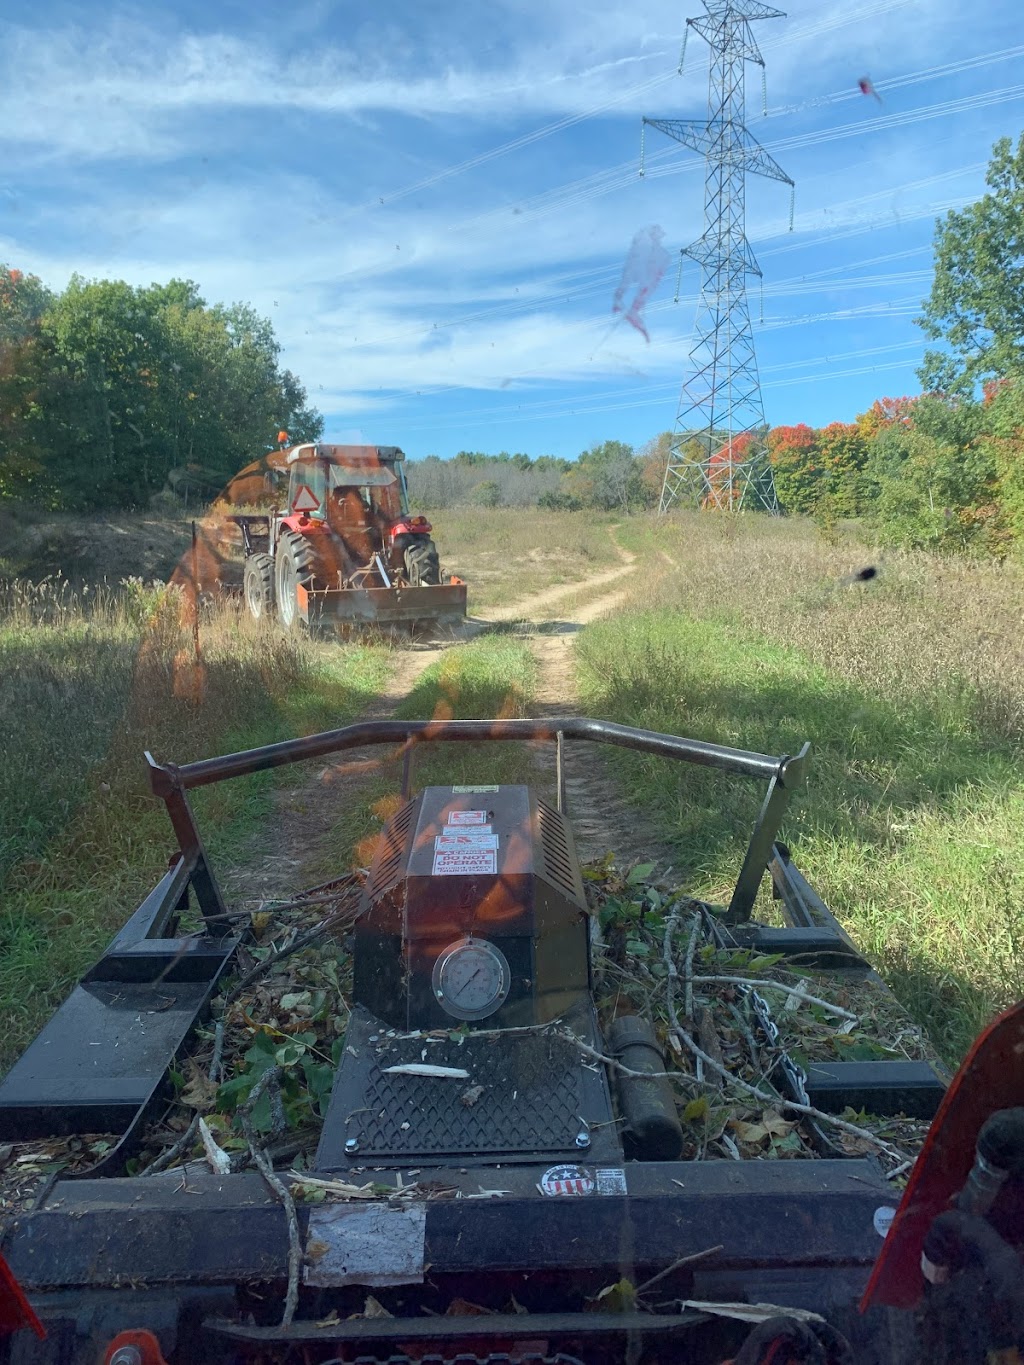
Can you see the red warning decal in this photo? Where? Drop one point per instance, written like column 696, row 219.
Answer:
column 467, row 817
column 566, row 1180
column 466, row 838
column 305, row 500
column 465, row 862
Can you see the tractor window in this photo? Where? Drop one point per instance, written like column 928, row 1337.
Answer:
column 403, row 491
column 307, row 488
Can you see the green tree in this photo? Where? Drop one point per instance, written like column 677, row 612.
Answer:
column 106, row 388
column 843, row 453
column 976, row 305
column 608, row 476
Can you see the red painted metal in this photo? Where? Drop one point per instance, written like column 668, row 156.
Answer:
column 15, row 1310
column 991, row 1078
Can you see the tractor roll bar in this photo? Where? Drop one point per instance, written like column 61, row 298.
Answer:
column 784, row 773
column 787, row 770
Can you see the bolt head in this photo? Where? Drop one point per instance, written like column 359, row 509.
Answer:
column 352, row 1145
column 583, row 1139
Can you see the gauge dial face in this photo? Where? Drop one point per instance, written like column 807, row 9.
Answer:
column 471, row 979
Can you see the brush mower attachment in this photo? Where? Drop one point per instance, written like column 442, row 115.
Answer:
column 433, row 606
column 499, row 1170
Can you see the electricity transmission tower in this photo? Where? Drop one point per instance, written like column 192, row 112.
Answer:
column 718, row 456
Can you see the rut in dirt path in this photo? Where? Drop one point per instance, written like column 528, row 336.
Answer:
column 601, row 818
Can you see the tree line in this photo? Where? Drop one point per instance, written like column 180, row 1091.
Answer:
column 106, row 388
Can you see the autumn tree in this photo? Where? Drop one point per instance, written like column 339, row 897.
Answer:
column 793, row 454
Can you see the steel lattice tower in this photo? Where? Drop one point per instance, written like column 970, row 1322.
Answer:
column 718, row 456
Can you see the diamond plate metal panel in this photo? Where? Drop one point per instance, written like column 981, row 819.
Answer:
column 523, row 1094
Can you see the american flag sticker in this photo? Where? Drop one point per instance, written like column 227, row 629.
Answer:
column 567, row 1180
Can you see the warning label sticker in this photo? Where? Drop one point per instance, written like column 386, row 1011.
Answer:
column 466, row 838
column 464, row 862
column 562, row 1180
column 467, row 817
column 463, row 790
column 611, row 1180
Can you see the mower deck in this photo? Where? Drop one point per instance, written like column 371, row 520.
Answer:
column 472, row 1168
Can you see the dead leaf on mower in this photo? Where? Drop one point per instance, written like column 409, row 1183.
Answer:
column 373, row 1309
column 462, row 1308
column 615, row 1298
column 200, row 1092
column 771, row 1125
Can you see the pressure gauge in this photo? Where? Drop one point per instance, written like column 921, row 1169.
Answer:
column 471, row 978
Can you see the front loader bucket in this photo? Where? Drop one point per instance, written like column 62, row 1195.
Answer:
column 445, row 602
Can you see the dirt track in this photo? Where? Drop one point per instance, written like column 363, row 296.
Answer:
column 601, row 819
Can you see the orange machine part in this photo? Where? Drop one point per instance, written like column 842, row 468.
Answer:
column 144, row 1342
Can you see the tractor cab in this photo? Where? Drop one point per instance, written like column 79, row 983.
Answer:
column 346, row 491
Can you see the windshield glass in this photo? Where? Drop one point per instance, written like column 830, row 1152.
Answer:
column 307, row 488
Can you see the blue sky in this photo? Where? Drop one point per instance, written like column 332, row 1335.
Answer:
column 433, row 201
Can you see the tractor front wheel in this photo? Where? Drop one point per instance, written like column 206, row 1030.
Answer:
column 259, row 586
column 294, row 566
column 421, row 563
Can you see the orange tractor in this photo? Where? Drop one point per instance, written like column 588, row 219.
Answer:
column 345, row 551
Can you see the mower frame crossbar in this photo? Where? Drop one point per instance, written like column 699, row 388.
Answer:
column 785, row 773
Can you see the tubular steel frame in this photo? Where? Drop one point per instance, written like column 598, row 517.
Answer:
column 785, row 774
column 718, row 457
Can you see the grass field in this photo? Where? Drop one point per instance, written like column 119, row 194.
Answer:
column 911, row 689
column 507, row 554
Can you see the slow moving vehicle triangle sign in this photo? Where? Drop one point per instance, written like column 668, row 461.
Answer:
column 305, row 500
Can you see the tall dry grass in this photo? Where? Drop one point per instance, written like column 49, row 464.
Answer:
column 910, row 687
column 925, row 623
column 505, row 554
column 89, row 681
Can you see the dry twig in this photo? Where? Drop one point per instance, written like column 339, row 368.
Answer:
column 683, row 1076
column 271, row 1077
column 678, row 1265
column 766, row 983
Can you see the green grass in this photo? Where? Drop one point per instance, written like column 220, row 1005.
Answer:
column 491, row 676
column 506, row 554
column 94, row 687
column 912, row 826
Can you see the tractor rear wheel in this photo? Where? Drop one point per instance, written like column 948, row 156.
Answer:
column 422, row 567
column 295, row 561
column 259, row 586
